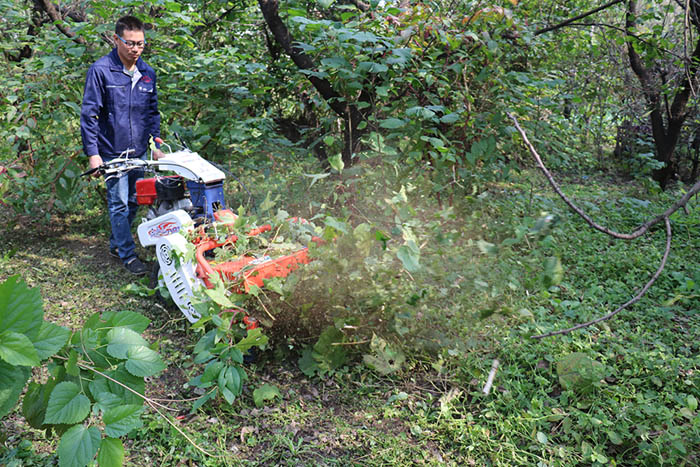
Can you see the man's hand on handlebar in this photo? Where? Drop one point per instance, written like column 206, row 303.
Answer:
column 95, row 162
column 157, row 154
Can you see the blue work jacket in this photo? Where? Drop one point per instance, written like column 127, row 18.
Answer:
column 116, row 116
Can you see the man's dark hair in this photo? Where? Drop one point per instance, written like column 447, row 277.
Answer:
column 128, row 23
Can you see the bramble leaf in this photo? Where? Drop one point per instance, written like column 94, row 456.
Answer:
column 50, row 340
column 121, row 420
column 66, row 404
column 21, row 307
column 129, row 319
column 121, row 340
column 111, row 453
column 78, row 446
column 266, row 392
column 12, row 379
column 255, row 338
column 143, row 361
column 16, row 349
column 385, row 358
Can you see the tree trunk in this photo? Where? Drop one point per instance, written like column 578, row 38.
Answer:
column 665, row 129
column 346, row 110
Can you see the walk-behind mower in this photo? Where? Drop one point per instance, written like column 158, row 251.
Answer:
column 192, row 230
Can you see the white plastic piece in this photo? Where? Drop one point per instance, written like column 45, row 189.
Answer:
column 179, row 277
column 150, row 232
column 189, row 165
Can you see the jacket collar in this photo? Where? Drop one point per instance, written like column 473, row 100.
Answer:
column 115, row 63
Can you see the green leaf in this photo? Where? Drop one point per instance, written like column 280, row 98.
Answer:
column 212, row 371
column 21, row 309
column 385, row 358
column 66, row 404
column 337, row 224
column 553, row 271
column 72, row 364
column 486, row 247
column 12, row 380
column 121, row 420
column 120, row 340
column 450, row 118
column 255, row 338
column 102, row 385
column 111, row 453
column 328, row 355
column 578, row 371
column 233, row 380
column 16, row 349
column 143, row 361
column 692, row 403
column 409, row 258
column 614, row 438
column 266, row 392
column 218, row 294
column 228, row 395
column 129, row 319
column 541, row 437
column 307, row 363
column 78, row 446
column 316, row 177
column 373, row 67
column 35, row 401
column 392, row 123
column 50, row 340
column 107, row 400
column 337, row 163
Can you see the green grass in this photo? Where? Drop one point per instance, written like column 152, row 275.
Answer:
column 470, row 304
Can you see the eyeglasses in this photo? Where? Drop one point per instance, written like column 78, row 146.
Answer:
column 132, row 44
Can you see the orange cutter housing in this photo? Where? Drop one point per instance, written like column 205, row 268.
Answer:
column 256, row 270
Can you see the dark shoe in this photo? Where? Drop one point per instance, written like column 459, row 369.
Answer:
column 114, row 252
column 136, row 267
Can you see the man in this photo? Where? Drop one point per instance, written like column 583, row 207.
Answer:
column 120, row 113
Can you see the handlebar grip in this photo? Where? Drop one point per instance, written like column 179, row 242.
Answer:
column 90, row 172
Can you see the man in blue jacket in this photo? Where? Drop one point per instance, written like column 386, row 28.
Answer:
column 120, row 114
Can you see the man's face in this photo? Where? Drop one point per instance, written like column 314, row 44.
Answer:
column 130, row 54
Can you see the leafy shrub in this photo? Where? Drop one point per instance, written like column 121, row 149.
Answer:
column 98, row 370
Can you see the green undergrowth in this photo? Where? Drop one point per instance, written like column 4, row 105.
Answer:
column 491, row 270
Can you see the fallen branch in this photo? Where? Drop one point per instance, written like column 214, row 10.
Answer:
column 641, row 230
column 636, row 234
column 632, row 301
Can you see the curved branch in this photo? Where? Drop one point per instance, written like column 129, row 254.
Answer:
column 632, row 301
column 641, row 230
column 56, row 17
column 576, row 18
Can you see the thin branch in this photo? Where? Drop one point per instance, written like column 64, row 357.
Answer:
column 152, row 404
column 119, row 383
column 630, row 34
column 179, row 430
column 632, row 301
column 576, row 18
column 641, row 230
